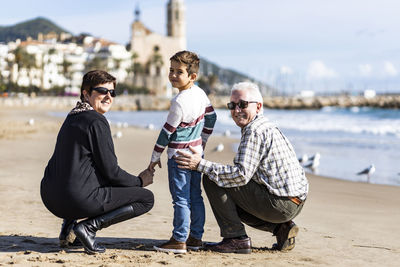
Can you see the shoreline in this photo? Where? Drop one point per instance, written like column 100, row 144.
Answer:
column 343, row 223
column 148, row 102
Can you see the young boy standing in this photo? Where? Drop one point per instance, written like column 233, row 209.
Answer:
column 190, row 122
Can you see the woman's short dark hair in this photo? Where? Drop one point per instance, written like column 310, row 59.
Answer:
column 95, row 77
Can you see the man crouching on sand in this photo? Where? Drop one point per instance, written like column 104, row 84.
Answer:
column 265, row 187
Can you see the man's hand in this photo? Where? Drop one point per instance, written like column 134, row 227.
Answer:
column 147, row 177
column 153, row 164
column 187, row 160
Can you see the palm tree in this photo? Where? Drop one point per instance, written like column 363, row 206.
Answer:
column 156, row 60
column 117, row 63
column 24, row 60
column 135, row 66
column 97, row 63
column 66, row 70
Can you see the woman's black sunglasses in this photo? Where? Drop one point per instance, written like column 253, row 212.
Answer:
column 104, row 91
column 242, row 104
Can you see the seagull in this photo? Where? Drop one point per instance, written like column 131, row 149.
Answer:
column 227, row 133
column 303, row 159
column 313, row 165
column 219, row 147
column 368, row 171
column 118, row 134
column 31, row 121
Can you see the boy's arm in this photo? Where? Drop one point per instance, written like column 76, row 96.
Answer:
column 210, row 118
column 173, row 120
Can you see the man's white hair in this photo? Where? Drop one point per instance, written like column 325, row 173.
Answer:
column 253, row 92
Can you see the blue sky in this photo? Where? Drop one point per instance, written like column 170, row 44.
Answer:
column 327, row 46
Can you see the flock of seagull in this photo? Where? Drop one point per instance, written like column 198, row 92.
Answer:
column 313, row 162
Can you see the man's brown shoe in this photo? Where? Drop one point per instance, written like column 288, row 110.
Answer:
column 194, row 243
column 231, row 245
column 285, row 236
column 172, row 246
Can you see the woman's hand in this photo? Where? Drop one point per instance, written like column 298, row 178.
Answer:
column 187, row 160
column 147, row 177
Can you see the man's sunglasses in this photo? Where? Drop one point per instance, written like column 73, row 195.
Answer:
column 242, row 104
column 104, row 91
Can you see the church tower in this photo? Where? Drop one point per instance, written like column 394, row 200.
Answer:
column 151, row 51
column 176, row 22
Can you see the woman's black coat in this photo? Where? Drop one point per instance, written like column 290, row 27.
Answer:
column 84, row 165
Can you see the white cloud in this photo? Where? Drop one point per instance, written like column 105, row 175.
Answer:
column 318, row 70
column 365, row 69
column 389, row 69
column 286, row 70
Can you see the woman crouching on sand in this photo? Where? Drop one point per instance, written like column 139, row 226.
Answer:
column 83, row 179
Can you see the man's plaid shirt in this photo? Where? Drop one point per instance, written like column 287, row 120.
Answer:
column 264, row 155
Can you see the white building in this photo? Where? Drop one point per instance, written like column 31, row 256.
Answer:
column 60, row 64
column 4, row 69
column 52, row 61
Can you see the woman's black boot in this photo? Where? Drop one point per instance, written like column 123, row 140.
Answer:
column 67, row 236
column 86, row 230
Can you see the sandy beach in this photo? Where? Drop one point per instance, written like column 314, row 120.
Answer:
column 342, row 224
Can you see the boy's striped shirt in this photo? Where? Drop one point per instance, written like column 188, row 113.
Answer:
column 190, row 122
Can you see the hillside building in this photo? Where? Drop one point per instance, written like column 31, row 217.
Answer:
column 151, row 51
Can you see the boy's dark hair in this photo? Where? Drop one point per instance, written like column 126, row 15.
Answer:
column 190, row 59
column 95, row 77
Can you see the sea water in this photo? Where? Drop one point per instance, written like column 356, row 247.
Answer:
column 348, row 139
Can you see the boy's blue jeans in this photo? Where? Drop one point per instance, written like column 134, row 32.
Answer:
column 189, row 212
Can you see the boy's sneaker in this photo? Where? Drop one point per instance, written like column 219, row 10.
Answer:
column 194, row 243
column 172, row 246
